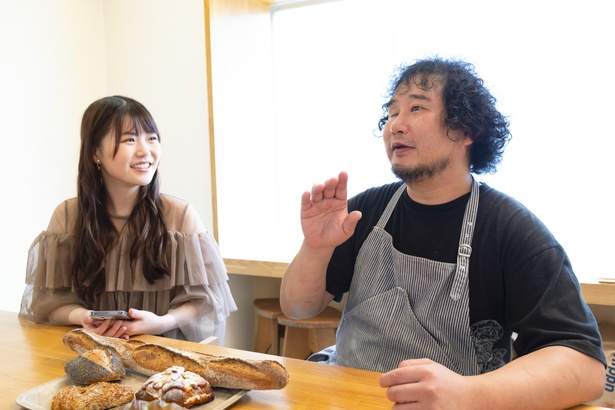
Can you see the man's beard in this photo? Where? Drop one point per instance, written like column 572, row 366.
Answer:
column 421, row 172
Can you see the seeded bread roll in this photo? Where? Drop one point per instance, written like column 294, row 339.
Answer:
column 97, row 365
column 96, row 396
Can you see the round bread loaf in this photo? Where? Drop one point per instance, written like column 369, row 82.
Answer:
column 175, row 385
column 96, row 365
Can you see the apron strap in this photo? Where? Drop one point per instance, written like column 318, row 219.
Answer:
column 384, row 218
column 465, row 243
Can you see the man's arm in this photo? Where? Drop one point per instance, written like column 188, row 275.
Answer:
column 554, row 377
column 303, row 292
column 326, row 223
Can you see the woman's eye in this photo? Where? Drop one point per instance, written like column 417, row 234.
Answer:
column 129, row 139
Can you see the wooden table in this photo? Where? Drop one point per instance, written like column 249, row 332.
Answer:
column 33, row 354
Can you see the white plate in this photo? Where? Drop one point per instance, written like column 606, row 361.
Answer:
column 39, row 397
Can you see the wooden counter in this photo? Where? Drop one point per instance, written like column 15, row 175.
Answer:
column 602, row 294
column 34, row 354
column 255, row 268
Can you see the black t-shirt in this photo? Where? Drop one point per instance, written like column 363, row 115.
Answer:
column 521, row 280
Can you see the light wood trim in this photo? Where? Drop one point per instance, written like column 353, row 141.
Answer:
column 255, row 268
column 210, row 116
column 599, row 293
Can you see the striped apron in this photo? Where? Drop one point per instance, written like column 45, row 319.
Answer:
column 404, row 307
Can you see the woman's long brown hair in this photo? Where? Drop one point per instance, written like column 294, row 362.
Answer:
column 95, row 234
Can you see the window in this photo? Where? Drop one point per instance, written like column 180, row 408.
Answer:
column 546, row 62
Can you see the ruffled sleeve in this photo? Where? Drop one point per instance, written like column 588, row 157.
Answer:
column 198, row 262
column 200, row 268
column 48, row 279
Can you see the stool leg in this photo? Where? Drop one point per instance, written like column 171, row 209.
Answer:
column 263, row 332
column 320, row 339
column 275, row 337
column 295, row 343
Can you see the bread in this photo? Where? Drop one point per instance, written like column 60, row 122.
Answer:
column 150, row 358
column 96, row 365
column 227, row 372
column 175, row 385
column 96, row 396
column 80, row 341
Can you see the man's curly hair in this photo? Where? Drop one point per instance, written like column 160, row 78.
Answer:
column 469, row 106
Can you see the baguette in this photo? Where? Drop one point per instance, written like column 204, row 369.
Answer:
column 80, row 340
column 227, row 372
column 150, row 358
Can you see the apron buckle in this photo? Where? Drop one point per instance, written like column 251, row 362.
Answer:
column 465, row 250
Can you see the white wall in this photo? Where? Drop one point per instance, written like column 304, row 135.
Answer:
column 57, row 56
column 53, row 65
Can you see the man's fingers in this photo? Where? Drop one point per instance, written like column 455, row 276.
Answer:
column 332, row 188
column 350, row 223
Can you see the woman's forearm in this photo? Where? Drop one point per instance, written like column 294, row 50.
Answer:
column 68, row 315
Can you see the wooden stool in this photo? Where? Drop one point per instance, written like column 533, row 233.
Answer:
column 306, row 336
column 267, row 329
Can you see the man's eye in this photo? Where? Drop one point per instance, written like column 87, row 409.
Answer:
column 416, row 108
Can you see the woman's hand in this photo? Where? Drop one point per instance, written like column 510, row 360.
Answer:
column 107, row 327
column 146, row 322
column 143, row 322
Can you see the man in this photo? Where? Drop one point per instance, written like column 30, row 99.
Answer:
column 445, row 275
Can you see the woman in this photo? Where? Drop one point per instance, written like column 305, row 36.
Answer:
column 121, row 244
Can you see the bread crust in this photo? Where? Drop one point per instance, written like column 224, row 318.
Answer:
column 175, row 385
column 227, row 372
column 96, row 365
column 80, row 341
column 151, row 358
column 96, row 396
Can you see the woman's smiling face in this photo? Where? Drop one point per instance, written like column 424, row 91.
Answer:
column 136, row 160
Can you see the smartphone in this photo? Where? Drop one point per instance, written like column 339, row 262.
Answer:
column 110, row 314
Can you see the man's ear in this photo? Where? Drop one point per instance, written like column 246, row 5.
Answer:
column 459, row 136
column 467, row 140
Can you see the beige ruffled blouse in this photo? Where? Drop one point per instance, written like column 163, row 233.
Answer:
column 198, row 274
